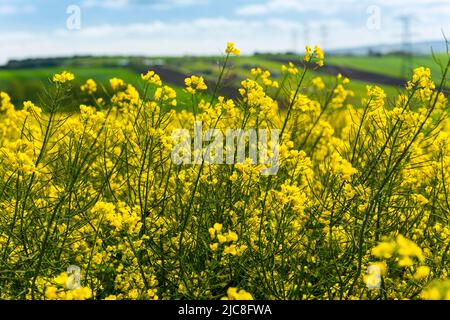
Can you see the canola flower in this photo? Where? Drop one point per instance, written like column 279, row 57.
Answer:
column 116, row 83
column 231, row 49
column 63, row 77
column 195, row 84
column 235, row 294
column 89, row 87
column 58, row 289
column 152, row 78
column 316, row 54
column 358, row 209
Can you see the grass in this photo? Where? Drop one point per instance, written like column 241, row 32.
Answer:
column 26, row 83
column 388, row 65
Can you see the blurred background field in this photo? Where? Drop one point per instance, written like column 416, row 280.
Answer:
column 23, row 79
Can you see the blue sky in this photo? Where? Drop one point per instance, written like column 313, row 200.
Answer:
column 176, row 27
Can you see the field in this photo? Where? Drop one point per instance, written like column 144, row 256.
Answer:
column 23, row 82
column 328, row 188
column 390, row 64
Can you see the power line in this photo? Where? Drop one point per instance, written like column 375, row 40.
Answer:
column 406, row 47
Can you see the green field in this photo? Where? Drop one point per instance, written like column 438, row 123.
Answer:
column 24, row 83
column 390, row 65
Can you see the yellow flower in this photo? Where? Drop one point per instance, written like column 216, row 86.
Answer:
column 231, row 49
column 317, row 53
column 422, row 82
column 234, row 177
column 31, row 107
column 166, row 94
column 212, row 233
column 195, row 84
column 61, row 279
column 152, row 78
column 5, row 102
column 240, row 250
column 384, row 250
column 235, row 294
column 221, row 238
column 291, row 69
column 437, row 290
column 232, row 236
column 405, row 262
column 51, row 293
column 320, row 56
column 89, row 87
column 63, row 77
column 308, row 54
column 230, row 250
column 116, row 83
column 431, row 294
column 318, row 83
column 407, row 248
column 422, row 272
column 218, row 227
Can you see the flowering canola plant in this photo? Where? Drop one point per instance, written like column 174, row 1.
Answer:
column 357, row 186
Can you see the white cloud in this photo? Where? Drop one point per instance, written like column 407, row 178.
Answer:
column 271, row 6
column 10, row 9
column 204, row 36
column 110, row 4
column 158, row 4
column 325, row 7
column 202, row 25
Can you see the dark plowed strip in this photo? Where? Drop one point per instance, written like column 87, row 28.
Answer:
column 177, row 78
column 360, row 75
column 355, row 74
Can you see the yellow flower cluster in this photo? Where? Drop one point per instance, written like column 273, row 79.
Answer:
column 235, row 294
column 152, row 78
column 290, row 68
column 5, row 102
column 166, row 94
column 406, row 250
column 195, row 84
column 63, row 77
column 317, row 54
column 224, row 238
column 231, row 49
column 116, row 83
column 89, row 87
column 422, row 83
column 437, row 290
column 59, row 289
column 264, row 75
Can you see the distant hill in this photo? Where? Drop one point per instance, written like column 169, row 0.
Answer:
column 417, row 48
